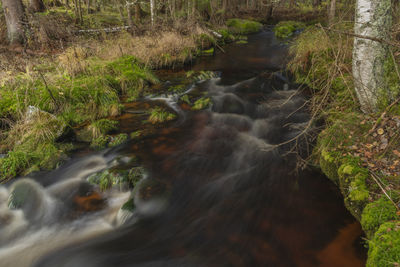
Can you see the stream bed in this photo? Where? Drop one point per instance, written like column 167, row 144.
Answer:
column 218, row 190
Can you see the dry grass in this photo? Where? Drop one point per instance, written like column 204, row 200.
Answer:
column 73, row 59
column 38, row 127
column 153, row 49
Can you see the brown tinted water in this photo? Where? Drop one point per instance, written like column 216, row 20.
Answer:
column 221, row 192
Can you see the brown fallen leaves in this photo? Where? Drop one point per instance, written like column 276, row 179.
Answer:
column 380, row 149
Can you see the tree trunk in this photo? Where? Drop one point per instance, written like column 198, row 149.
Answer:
column 138, row 13
column 36, row 6
column 15, row 15
column 130, row 19
column 373, row 18
column 316, row 3
column 331, row 12
column 152, row 6
column 88, row 6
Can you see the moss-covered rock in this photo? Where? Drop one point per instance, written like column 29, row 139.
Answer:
column 329, row 166
column 384, row 247
column 243, row 26
column 286, row 29
column 118, row 178
column 377, row 213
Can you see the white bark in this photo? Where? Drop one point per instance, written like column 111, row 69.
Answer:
column 152, row 12
column 373, row 18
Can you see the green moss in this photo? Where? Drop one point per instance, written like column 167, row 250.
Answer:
column 115, row 177
column 377, row 213
column 208, row 52
column 117, row 140
column 384, row 247
column 227, row 36
column 242, row 26
column 286, row 29
column 329, row 165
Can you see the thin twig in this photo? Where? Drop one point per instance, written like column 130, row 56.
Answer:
column 48, row 90
column 375, row 177
column 378, row 121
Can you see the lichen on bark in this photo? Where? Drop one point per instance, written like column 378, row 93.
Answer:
column 373, row 19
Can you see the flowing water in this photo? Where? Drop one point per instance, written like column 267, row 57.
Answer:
column 217, row 190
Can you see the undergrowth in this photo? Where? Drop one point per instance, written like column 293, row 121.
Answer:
column 358, row 152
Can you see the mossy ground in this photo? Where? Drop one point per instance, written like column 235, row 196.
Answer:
column 286, row 29
column 242, row 26
column 356, row 151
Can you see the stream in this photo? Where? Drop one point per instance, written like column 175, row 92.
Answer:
column 218, row 190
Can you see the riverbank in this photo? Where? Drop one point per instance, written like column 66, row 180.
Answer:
column 48, row 103
column 358, row 152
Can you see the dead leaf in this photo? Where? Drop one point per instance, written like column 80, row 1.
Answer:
column 396, row 152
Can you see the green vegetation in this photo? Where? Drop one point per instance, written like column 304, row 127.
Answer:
column 376, row 213
column 118, row 140
column 117, row 178
column 286, row 29
column 158, row 115
column 202, row 103
column 384, row 247
column 354, row 150
column 242, row 26
column 208, row 52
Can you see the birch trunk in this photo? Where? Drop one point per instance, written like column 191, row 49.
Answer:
column 331, row 12
column 152, row 11
column 14, row 14
column 373, row 18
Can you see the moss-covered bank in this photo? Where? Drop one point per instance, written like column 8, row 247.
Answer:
column 358, row 152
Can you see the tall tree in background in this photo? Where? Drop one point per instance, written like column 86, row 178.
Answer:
column 152, row 12
column 331, row 12
column 373, row 18
column 15, row 16
column 36, row 6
